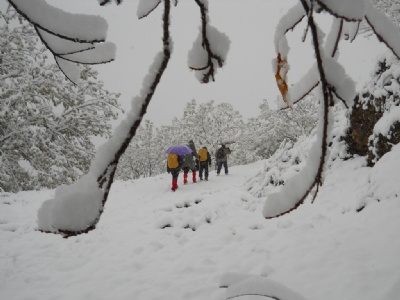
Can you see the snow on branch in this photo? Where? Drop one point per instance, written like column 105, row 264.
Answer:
column 350, row 30
column 63, row 24
column 300, row 186
column 89, row 194
column 303, row 88
column 280, row 63
column 104, row 2
column 334, row 37
column 71, row 38
column 209, row 49
column 146, row 7
column 351, row 11
column 99, row 54
column 69, row 69
column 385, row 30
column 61, row 46
column 327, row 74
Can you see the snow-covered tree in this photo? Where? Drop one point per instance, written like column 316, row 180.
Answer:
column 145, row 155
column 290, row 124
column 46, row 122
column 208, row 124
column 263, row 135
column 258, row 137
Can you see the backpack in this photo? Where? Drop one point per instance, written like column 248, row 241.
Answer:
column 173, row 162
column 203, row 154
column 221, row 153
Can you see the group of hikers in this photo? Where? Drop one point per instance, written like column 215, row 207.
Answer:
column 196, row 161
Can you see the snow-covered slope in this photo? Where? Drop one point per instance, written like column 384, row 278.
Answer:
column 152, row 243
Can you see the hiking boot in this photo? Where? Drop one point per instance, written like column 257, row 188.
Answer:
column 194, row 176
column 174, row 184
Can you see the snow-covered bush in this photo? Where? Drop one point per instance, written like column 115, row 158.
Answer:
column 375, row 117
column 288, row 160
column 291, row 157
column 263, row 135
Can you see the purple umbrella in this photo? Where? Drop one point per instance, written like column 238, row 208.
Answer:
column 179, row 149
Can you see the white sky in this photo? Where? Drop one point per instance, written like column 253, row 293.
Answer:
column 247, row 77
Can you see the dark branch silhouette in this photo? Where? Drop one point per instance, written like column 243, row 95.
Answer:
column 150, row 11
column 206, row 45
column 337, row 39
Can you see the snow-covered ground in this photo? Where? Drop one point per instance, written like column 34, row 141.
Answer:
column 154, row 244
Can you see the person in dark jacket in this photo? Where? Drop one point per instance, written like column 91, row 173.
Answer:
column 221, row 156
column 204, row 163
column 188, row 163
column 174, row 163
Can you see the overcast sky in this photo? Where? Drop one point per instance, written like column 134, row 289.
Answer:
column 246, row 79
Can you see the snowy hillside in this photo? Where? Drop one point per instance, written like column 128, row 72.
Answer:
column 154, row 244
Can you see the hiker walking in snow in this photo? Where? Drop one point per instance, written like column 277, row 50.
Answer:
column 188, row 163
column 174, row 162
column 204, row 163
column 221, row 156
